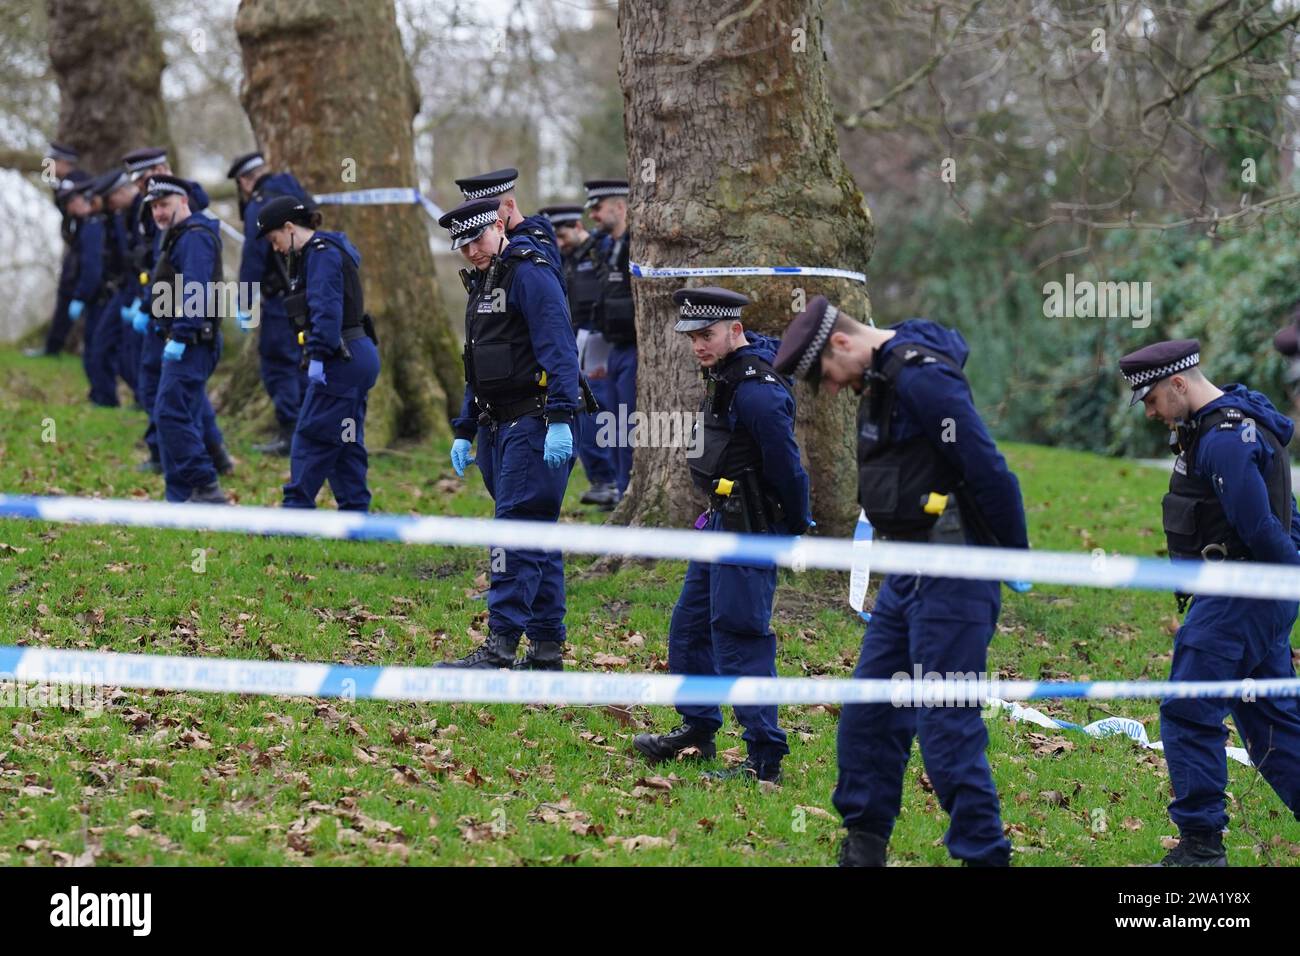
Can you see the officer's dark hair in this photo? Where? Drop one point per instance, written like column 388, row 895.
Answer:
column 308, row 219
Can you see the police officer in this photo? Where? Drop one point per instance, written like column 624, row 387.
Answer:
column 584, row 277
column 343, row 358
column 63, row 160
column 116, row 191
column 190, row 253
column 63, row 166
column 1287, row 342
column 277, row 339
column 607, row 203
column 1229, row 499
column 145, row 248
column 84, row 205
column 500, row 184
column 749, row 467
column 521, row 396
column 928, row 472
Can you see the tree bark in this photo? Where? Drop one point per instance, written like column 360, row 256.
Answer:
column 733, row 160
column 108, row 62
column 330, row 96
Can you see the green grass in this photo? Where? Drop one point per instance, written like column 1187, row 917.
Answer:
column 183, row 778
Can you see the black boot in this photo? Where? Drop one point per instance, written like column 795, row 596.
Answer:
column 751, row 769
column 280, row 444
column 542, row 656
column 496, row 652
column 605, row 495
column 659, row 747
column 1197, row 849
column 860, row 848
column 208, row 495
column 221, row 460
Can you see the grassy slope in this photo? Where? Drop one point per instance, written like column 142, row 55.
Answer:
column 210, row 779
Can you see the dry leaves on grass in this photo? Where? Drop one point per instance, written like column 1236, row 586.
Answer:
column 642, row 842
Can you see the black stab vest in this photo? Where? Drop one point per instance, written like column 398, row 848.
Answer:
column 617, row 314
column 585, row 279
column 1196, row 525
column 500, row 364
column 895, row 478
column 354, row 303
column 728, row 452
column 165, row 272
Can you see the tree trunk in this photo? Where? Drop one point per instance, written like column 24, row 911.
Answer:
column 330, row 96
column 733, row 160
column 109, row 63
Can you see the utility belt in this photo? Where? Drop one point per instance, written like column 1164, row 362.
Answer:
column 295, row 307
column 948, row 528
column 743, row 505
column 207, row 334
column 495, row 413
column 350, row 333
column 1185, row 542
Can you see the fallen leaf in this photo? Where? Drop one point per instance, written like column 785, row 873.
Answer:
column 641, row 842
column 814, row 812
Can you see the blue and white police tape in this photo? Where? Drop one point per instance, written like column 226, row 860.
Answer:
column 229, row 230
column 1106, row 727
column 654, row 272
column 1233, row 578
column 401, row 196
column 428, row 684
column 395, row 196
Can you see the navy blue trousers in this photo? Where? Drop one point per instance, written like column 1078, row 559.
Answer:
column 180, row 409
column 527, row 587
column 60, row 324
column 942, row 625
column 329, row 441
column 597, row 460
column 146, row 390
column 622, row 392
column 283, row 377
column 721, row 625
column 1230, row 639
column 101, row 351
column 128, row 355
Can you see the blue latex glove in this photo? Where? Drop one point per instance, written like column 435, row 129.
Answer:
column 1020, row 587
column 134, row 316
column 559, row 445
column 460, row 456
column 316, row 371
column 140, row 321
column 245, row 320
column 75, row 308
column 173, row 351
